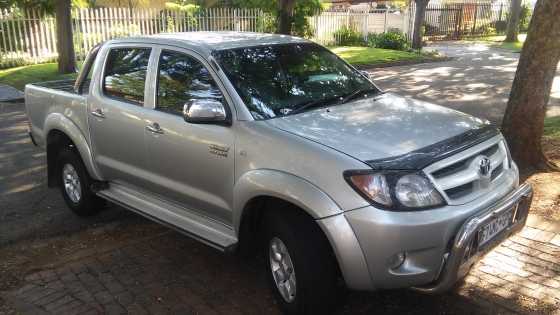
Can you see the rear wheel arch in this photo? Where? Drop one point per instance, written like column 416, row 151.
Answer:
column 57, row 141
column 59, row 127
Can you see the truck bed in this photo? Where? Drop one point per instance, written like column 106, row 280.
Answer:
column 62, row 85
column 57, row 99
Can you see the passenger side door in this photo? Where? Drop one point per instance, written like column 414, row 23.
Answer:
column 116, row 114
column 191, row 164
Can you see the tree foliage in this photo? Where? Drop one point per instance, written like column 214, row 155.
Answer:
column 42, row 5
column 183, row 6
column 525, row 17
column 298, row 20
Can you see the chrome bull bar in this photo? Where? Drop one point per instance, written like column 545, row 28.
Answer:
column 458, row 261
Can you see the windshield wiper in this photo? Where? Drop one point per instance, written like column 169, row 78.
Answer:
column 357, row 93
column 313, row 104
column 328, row 100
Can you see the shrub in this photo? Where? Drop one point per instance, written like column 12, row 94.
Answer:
column 486, row 29
column 346, row 36
column 501, row 26
column 394, row 39
column 371, row 39
column 525, row 17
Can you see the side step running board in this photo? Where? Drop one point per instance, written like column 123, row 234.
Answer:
column 187, row 222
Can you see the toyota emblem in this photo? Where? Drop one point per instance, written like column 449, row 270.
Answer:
column 485, row 166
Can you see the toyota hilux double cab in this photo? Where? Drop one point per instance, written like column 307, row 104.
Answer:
column 269, row 143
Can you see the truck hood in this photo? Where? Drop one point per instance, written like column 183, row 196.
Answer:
column 379, row 127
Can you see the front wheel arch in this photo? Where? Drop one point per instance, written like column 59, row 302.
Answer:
column 252, row 221
column 317, row 278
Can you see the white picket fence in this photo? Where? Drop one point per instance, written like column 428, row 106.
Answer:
column 326, row 24
column 30, row 36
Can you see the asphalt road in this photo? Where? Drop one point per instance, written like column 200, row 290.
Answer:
column 477, row 80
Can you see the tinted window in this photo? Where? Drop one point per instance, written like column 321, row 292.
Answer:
column 125, row 74
column 275, row 80
column 182, row 78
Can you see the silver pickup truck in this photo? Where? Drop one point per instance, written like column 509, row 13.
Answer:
column 272, row 144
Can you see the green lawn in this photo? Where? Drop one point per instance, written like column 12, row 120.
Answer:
column 552, row 127
column 370, row 56
column 498, row 41
column 18, row 77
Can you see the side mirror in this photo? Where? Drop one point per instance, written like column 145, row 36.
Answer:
column 365, row 74
column 204, row 111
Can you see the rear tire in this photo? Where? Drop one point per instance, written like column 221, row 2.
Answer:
column 301, row 268
column 75, row 185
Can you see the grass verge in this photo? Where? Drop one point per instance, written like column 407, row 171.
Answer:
column 498, row 42
column 18, row 77
column 551, row 139
column 361, row 56
column 552, row 127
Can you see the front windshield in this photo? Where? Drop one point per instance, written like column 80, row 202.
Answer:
column 276, row 80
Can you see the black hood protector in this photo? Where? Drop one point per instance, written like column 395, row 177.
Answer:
column 419, row 159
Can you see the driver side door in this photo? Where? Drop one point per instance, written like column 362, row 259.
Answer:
column 190, row 164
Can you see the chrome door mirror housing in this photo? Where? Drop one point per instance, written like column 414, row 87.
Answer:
column 365, row 74
column 205, row 111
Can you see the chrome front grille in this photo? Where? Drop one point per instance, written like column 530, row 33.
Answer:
column 462, row 177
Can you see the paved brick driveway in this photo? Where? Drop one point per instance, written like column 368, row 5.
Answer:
column 167, row 273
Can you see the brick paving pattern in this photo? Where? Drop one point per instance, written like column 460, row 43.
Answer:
column 171, row 274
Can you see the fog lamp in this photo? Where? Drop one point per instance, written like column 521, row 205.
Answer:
column 397, row 260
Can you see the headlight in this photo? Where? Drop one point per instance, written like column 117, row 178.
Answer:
column 415, row 191
column 395, row 190
column 373, row 186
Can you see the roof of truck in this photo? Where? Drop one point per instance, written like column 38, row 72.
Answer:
column 211, row 41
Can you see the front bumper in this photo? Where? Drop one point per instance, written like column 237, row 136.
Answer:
column 464, row 253
column 434, row 241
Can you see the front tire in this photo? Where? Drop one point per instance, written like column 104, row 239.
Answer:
column 300, row 265
column 75, row 184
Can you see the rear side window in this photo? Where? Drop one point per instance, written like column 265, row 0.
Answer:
column 125, row 74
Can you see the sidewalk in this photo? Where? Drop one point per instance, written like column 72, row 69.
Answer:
column 170, row 274
column 10, row 94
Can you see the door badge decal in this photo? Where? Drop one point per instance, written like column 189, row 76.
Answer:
column 218, row 150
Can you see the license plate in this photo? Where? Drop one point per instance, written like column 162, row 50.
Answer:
column 494, row 227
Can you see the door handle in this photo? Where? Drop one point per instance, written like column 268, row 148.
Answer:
column 98, row 113
column 155, row 128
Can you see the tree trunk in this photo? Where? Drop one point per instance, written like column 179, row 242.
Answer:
column 419, row 16
column 513, row 23
column 64, row 38
column 524, row 119
column 285, row 16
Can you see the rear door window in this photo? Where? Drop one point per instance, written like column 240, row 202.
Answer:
column 125, row 74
